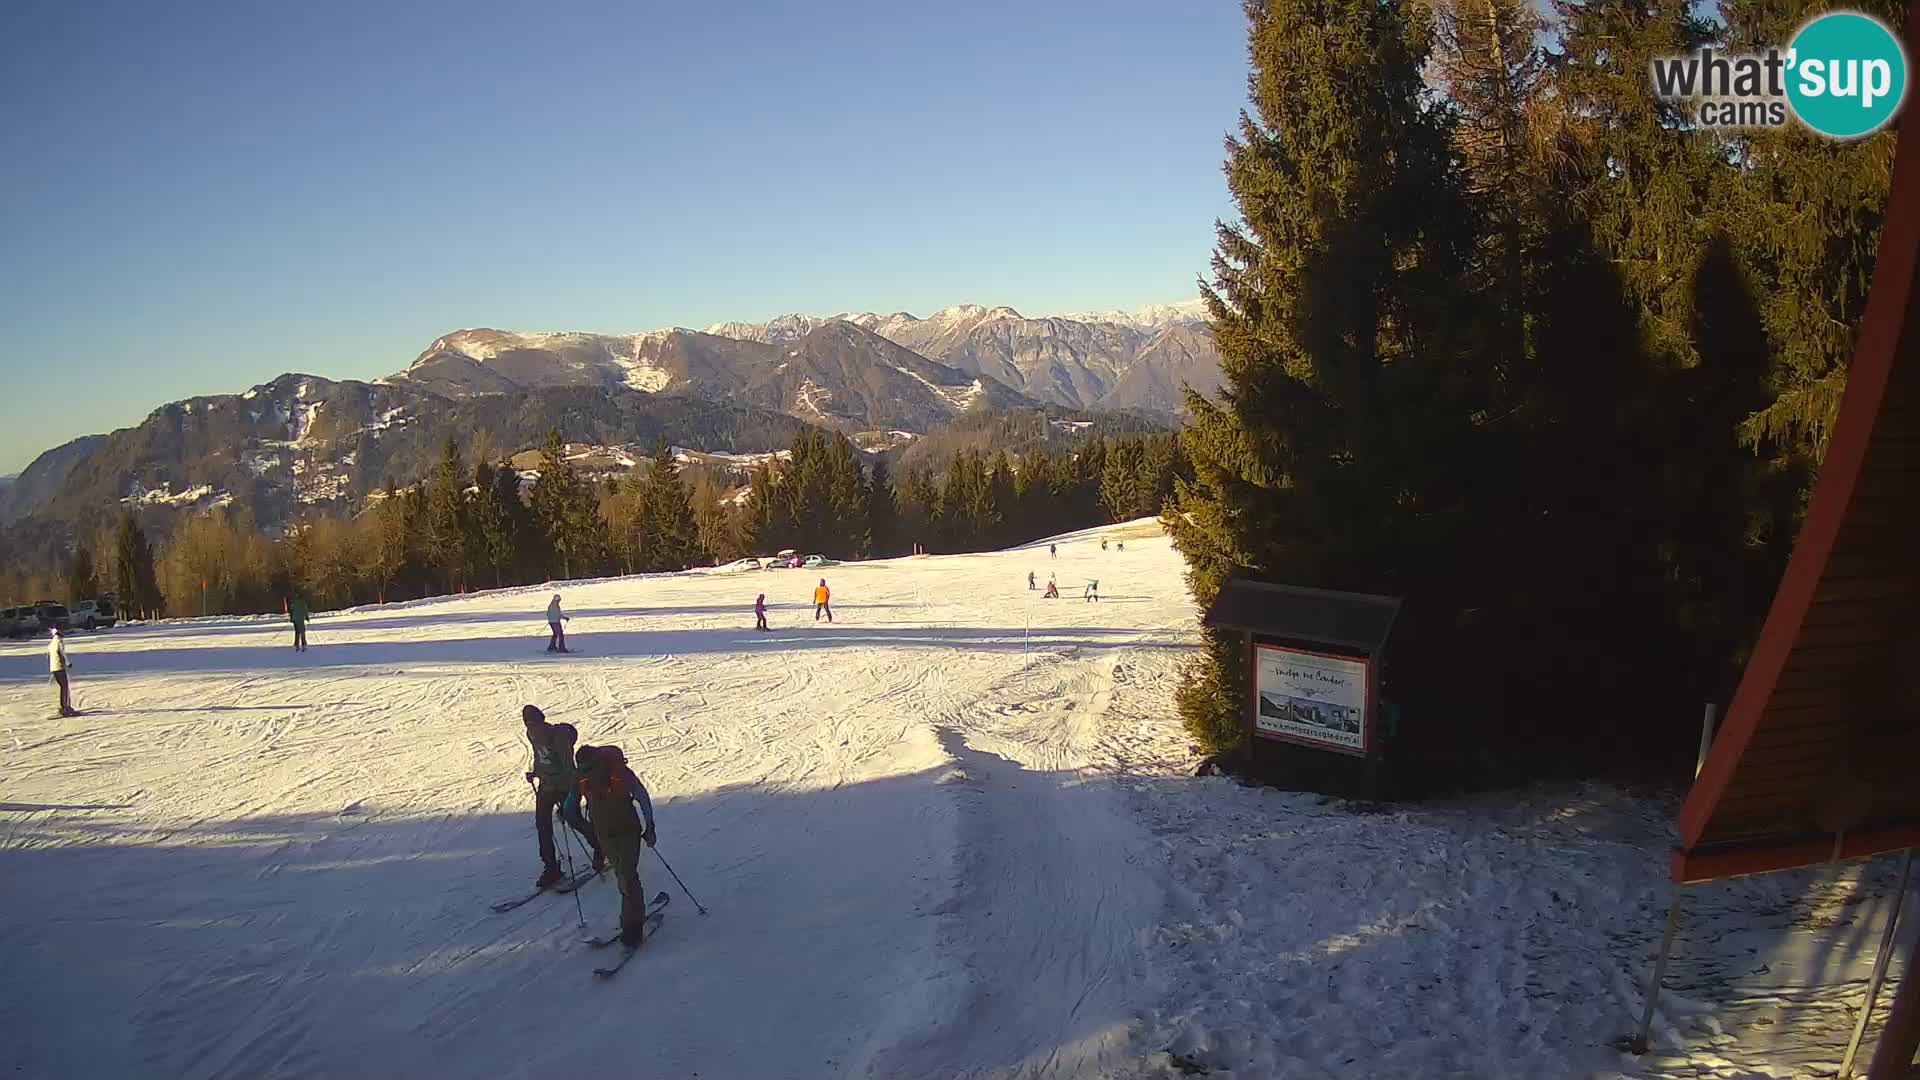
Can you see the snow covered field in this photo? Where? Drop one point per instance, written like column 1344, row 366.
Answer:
column 933, row 845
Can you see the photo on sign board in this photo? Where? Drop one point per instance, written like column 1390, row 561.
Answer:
column 1310, row 697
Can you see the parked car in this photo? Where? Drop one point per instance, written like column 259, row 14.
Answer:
column 52, row 615
column 820, row 560
column 97, row 614
column 19, row 622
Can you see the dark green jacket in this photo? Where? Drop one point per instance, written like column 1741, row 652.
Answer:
column 553, row 757
column 297, row 611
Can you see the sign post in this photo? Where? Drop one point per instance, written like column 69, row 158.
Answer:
column 1314, row 662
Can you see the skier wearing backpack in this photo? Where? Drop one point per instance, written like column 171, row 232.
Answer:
column 611, row 791
column 553, row 779
column 558, row 641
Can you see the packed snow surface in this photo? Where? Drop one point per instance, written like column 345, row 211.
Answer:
column 953, row 833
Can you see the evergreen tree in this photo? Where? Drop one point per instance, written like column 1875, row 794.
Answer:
column 82, row 583
column 392, row 543
column 133, row 571
column 844, row 533
column 496, row 500
column 766, row 523
column 1810, row 211
column 882, row 514
column 671, row 536
column 999, row 528
column 449, row 530
column 567, row 510
column 717, row 525
column 1120, row 479
column 918, row 504
column 1317, row 463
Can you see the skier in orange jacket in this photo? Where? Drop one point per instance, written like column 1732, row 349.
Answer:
column 820, row 606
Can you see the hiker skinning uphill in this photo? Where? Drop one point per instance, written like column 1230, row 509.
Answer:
column 612, row 790
column 558, row 641
column 553, row 777
column 820, row 601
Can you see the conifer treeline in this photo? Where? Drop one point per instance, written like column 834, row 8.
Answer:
column 1534, row 353
column 485, row 525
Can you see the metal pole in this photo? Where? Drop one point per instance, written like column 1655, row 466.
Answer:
column 1879, row 968
column 565, row 826
column 1900, row 1033
column 677, row 881
column 1706, row 740
column 1659, row 972
column 567, row 851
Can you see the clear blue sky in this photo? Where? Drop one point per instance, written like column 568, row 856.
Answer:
column 197, row 197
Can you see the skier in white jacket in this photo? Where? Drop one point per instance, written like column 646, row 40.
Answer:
column 57, row 665
column 558, row 642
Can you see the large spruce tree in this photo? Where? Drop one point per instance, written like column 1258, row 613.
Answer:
column 1330, row 457
column 671, row 537
column 450, row 535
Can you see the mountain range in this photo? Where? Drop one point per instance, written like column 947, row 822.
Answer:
column 1111, row 361
column 307, row 441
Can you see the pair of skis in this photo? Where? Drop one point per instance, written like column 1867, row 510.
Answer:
column 564, row 887
column 656, row 913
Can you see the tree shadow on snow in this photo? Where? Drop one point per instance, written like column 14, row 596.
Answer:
column 360, row 941
column 331, row 651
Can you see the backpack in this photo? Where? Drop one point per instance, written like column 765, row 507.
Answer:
column 615, row 763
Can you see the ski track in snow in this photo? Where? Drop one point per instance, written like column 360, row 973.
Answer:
column 933, row 843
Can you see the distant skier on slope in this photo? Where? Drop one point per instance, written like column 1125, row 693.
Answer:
column 820, row 601
column 553, row 778
column 1053, row 551
column 1030, row 585
column 58, row 666
column 611, row 790
column 760, row 612
column 1053, row 589
column 1093, row 591
column 558, row 641
column 297, row 614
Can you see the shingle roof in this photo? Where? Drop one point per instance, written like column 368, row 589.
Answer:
column 1354, row 620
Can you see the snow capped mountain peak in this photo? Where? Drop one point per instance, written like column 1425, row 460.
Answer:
column 1146, row 317
column 958, row 313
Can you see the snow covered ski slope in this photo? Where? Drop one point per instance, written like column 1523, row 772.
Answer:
column 948, row 835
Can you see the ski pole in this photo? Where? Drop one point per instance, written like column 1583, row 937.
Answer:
column 572, row 842
column 566, row 851
column 677, row 881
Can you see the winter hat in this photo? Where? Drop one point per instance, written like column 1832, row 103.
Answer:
column 529, row 714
